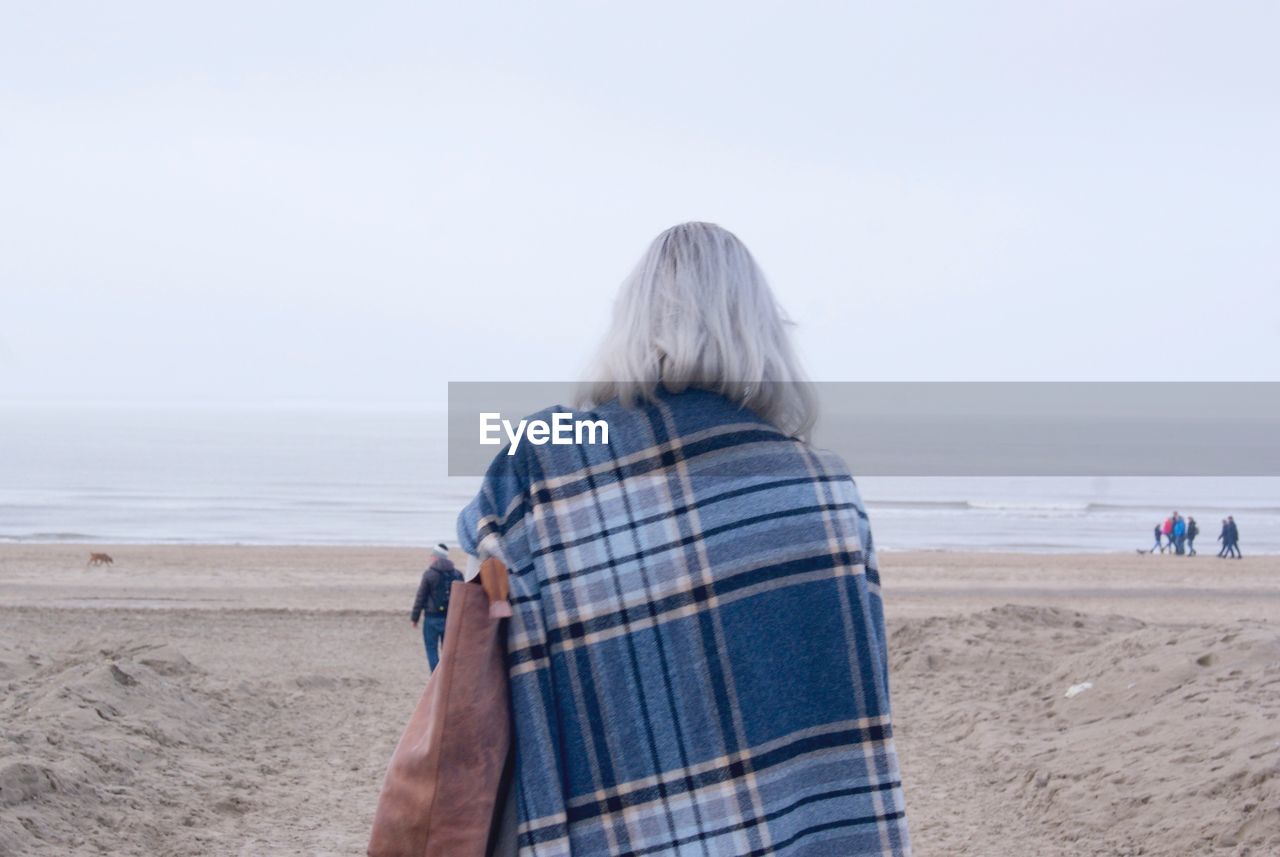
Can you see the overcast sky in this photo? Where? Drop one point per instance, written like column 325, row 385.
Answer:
column 363, row 201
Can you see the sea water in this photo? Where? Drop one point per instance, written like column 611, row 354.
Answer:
column 376, row 475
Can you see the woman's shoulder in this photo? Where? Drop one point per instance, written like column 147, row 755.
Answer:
column 833, row 466
column 832, row 463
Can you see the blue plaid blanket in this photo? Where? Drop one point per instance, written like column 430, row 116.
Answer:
column 697, row 651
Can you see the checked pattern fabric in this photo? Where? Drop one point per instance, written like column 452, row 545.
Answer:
column 697, row 647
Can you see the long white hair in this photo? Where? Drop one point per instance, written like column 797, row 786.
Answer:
column 697, row 312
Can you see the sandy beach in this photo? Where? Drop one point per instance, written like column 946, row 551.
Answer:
column 210, row 700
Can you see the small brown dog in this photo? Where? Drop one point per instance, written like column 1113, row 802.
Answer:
column 101, row 559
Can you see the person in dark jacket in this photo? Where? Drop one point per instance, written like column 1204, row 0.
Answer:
column 1233, row 538
column 1159, row 546
column 1192, row 531
column 1225, row 538
column 432, row 601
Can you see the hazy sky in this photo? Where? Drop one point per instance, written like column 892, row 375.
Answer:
column 363, row 201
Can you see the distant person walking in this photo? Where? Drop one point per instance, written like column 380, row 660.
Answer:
column 432, row 601
column 1179, row 534
column 1167, row 529
column 1192, row 532
column 1233, row 538
column 1158, row 546
column 1225, row 538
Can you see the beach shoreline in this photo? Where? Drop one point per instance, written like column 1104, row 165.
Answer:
column 219, row 699
column 916, row 583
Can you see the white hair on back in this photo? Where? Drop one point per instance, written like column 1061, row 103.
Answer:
column 697, row 313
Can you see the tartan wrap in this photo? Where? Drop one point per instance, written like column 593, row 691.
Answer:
column 697, row 647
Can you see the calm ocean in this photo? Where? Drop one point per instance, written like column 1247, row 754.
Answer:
column 302, row 474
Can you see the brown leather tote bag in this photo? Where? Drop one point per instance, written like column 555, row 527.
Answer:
column 445, row 788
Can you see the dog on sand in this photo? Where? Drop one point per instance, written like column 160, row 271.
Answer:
column 101, row 559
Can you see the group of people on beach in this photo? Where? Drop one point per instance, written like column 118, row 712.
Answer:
column 1177, row 535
